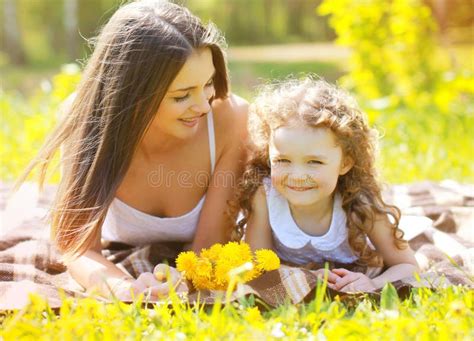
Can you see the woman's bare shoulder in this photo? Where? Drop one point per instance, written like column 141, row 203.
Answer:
column 231, row 104
column 230, row 117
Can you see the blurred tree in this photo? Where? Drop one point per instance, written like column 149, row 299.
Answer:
column 50, row 15
column 30, row 29
column 395, row 54
column 11, row 43
column 50, row 32
column 70, row 23
column 295, row 10
column 249, row 22
column 454, row 15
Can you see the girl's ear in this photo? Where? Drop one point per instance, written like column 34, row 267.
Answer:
column 346, row 166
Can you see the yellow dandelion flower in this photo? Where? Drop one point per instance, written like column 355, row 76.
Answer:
column 187, row 262
column 267, row 260
column 212, row 253
column 201, row 282
column 221, row 273
column 230, row 252
column 253, row 315
column 204, row 268
column 251, row 274
column 211, row 270
column 245, row 252
column 220, row 287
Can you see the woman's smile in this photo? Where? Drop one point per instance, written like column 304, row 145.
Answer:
column 191, row 121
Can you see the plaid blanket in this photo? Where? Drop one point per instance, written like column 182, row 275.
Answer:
column 437, row 222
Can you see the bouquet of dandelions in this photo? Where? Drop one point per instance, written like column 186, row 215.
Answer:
column 214, row 267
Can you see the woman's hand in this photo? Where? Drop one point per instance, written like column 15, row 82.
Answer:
column 153, row 286
column 351, row 282
column 161, row 273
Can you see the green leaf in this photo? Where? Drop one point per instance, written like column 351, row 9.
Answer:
column 389, row 298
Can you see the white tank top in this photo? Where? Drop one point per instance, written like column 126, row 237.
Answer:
column 294, row 245
column 126, row 224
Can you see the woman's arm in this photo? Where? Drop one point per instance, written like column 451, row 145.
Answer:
column 230, row 122
column 258, row 233
column 95, row 273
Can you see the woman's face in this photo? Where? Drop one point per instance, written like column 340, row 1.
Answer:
column 186, row 102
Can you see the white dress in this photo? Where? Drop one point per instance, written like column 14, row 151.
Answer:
column 294, row 245
column 126, row 224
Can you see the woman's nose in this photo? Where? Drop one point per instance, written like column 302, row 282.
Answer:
column 202, row 105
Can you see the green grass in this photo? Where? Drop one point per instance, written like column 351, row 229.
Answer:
column 446, row 314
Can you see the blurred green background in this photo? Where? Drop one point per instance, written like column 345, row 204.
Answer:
column 408, row 62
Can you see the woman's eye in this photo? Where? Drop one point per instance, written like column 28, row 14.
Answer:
column 210, row 83
column 315, row 162
column 180, row 99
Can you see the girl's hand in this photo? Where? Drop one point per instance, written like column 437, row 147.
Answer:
column 332, row 277
column 352, row 281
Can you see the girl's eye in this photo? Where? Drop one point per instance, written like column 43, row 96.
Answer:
column 210, row 83
column 281, row 161
column 315, row 162
column 180, row 99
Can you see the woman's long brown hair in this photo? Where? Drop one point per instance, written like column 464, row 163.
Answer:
column 137, row 55
column 316, row 103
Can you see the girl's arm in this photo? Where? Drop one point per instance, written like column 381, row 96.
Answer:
column 230, row 123
column 258, row 233
column 401, row 263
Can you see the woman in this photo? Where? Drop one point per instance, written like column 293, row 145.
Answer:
column 151, row 145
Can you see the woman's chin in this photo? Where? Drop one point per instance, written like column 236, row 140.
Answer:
column 186, row 132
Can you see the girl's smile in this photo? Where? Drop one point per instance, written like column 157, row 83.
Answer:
column 300, row 189
column 305, row 164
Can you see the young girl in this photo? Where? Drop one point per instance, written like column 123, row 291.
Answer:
column 143, row 141
column 310, row 190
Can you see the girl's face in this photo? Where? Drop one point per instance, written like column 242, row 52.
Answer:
column 306, row 163
column 187, row 100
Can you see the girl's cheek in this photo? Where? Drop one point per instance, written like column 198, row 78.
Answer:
column 277, row 178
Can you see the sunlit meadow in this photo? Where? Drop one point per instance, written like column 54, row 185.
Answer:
column 426, row 134
column 446, row 314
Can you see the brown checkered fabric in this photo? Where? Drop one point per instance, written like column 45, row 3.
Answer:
column 29, row 263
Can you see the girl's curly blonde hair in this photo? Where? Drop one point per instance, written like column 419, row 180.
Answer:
column 316, row 103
